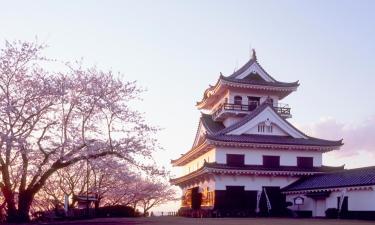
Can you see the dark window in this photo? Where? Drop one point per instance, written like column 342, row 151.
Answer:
column 237, row 100
column 271, row 161
column 235, row 160
column 261, row 127
column 305, row 162
column 253, row 102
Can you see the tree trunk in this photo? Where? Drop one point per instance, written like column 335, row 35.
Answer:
column 11, row 205
column 22, row 214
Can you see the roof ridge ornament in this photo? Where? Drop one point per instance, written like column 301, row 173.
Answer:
column 254, row 55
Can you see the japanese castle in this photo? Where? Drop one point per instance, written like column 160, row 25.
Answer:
column 248, row 160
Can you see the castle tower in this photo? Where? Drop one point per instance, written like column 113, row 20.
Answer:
column 245, row 150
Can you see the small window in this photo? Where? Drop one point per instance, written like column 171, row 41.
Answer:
column 271, row 161
column 235, row 160
column 305, row 162
column 269, row 129
column 237, row 100
column 261, row 128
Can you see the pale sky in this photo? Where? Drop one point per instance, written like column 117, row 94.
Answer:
column 176, row 49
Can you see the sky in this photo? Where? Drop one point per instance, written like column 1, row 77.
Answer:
column 175, row 49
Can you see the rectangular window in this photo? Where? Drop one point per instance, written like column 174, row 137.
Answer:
column 235, row 160
column 261, row 128
column 271, row 161
column 305, row 162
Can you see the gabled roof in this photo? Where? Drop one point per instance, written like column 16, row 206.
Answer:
column 347, row 178
column 260, row 109
column 251, row 75
column 225, row 134
column 248, row 80
column 216, row 135
column 206, row 125
column 252, row 62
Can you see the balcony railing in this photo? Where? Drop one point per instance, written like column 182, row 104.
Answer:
column 282, row 109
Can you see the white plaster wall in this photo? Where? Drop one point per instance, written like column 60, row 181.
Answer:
column 198, row 162
column 255, row 157
column 252, row 182
column 308, row 205
column 363, row 200
column 275, row 131
column 231, row 120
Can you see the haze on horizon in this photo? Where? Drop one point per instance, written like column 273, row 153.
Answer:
column 175, row 49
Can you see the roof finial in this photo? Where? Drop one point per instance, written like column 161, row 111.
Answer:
column 254, row 56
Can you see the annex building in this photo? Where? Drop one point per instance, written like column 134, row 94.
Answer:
column 248, row 160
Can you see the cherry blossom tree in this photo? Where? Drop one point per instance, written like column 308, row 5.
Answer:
column 155, row 193
column 52, row 120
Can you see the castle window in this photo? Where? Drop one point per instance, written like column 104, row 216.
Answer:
column 269, row 129
column 261, row 128
column 271, row 161
column 235, row 160
column 237, row 100
column 305, row 162
column 265, row 127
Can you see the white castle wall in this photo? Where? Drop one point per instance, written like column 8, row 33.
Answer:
column 255, row 157
column 231, row 120
column 197, row 163
column 358, row 200
column 252, row 182
column 252, row 157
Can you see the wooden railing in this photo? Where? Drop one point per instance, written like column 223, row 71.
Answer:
column 283, row 110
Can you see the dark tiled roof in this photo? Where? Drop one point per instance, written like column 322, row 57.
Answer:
column 281, row 168
column 346, row 178
column 233, row 76
column 267, row 139
column 244, row 68
column 211, row 125
column 248, row 169
column 259, row 82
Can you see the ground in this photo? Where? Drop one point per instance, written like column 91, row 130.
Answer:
column 166, row 220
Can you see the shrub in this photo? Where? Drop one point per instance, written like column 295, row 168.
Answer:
column 116, row 211
column 332, row 213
